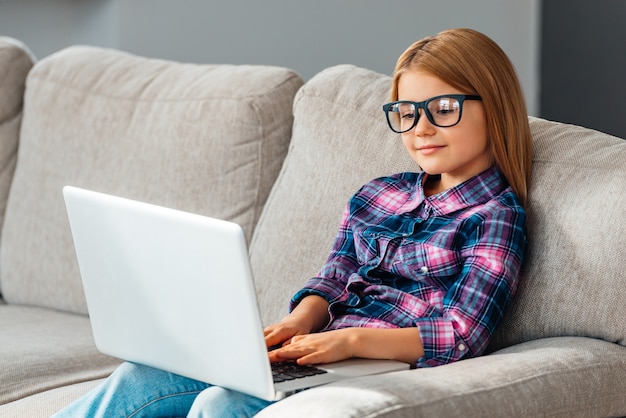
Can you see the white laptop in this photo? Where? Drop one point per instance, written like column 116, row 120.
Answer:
column 174, row 290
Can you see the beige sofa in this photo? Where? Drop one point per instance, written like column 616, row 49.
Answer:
column 222, row 140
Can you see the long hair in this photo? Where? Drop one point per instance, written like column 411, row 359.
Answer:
column 475, row 64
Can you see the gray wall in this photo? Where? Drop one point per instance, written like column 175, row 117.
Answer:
column 583, row 63
column 304, row 35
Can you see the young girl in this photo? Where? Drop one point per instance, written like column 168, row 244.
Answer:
column 424, row 264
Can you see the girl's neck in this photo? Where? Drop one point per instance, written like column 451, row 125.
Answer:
column 433, row 185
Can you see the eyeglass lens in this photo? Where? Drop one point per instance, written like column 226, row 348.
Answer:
column 443, row 112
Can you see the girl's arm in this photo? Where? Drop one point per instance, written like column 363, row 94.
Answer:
column 474, row 305
column 334, row 274
column 402, row 344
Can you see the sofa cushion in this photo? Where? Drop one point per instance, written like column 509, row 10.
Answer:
column 208, row 139
column 44, row 404
column 575, row 277
column 340, row 141
column 15, row 63
column 574, row 281
column 42, row 349
column 564, row 377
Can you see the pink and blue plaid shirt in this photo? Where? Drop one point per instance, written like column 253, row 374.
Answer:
column 447, row 264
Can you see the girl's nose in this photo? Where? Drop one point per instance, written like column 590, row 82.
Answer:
column 423, row 126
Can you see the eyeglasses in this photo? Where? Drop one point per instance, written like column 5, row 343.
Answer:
column 442, row 111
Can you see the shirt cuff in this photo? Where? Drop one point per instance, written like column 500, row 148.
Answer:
column 315, row 286
column 440, row 343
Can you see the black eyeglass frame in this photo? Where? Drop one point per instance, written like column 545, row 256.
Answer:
column 424, row 105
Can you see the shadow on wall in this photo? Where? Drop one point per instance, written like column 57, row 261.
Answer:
column 583, row 62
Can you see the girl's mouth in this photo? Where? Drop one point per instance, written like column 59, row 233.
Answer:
column 429, row 149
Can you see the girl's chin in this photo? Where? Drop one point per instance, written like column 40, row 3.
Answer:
column 430, row 169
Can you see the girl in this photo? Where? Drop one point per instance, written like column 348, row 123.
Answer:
column 424, row 264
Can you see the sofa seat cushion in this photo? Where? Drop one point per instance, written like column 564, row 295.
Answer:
column 564, row 377
column 208, row 139
column 44, row 404
column 43, row 349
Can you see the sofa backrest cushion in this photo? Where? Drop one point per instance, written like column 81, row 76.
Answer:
column 340, row 141
column 574, row 282
column 16, row 60
column 208, row 139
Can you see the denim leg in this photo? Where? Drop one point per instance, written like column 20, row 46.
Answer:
column 137, row 391
column 217, row 402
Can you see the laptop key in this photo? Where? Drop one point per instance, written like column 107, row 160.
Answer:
column 290, row 370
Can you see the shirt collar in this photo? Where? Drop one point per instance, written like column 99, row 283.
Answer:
column 474, row 191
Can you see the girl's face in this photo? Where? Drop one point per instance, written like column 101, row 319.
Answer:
column 458, row 152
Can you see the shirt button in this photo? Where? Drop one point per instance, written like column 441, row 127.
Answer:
column 424, row 269
column 462, row 347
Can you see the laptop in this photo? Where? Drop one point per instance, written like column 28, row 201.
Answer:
column 174, row 291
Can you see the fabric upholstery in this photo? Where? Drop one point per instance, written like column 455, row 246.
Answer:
column 340, row 141
column 568, row 287
column 208, row 139
column 42, row 349
column 16, row 60
column 211, row 139
column 560, row 377
column 44, row 404
column 575, row 278
column 578, row 174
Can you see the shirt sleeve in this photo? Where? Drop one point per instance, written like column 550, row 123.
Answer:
column 475, row 304
column 331, row 280
column 373, row 200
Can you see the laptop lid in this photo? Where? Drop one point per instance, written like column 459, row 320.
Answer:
column 170, row 289
column 174, row 291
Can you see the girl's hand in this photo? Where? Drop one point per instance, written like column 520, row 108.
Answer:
column 325, row 347
column 284, row 331
column 310, row 315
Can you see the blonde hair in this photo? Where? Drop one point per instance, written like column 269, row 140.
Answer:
column 475, row 64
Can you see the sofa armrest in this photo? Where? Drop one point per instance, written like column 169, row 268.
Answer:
column 565, row 376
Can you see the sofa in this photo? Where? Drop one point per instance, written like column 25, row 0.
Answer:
column 259, row 146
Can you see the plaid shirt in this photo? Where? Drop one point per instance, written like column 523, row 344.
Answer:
column 447, row 264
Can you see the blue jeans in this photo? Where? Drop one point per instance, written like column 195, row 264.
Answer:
column 138, row 391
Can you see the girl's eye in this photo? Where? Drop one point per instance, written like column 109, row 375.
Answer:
column 408, row 116
column 446, row 107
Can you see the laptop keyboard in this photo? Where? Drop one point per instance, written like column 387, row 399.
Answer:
column 289, row 370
